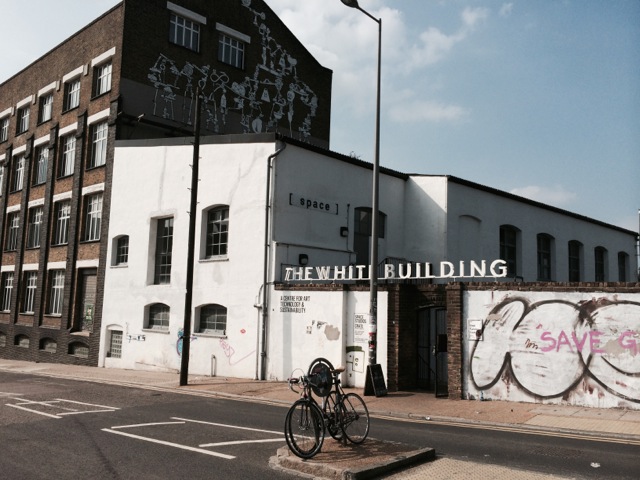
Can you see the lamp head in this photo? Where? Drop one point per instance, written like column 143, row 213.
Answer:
column 351, row 3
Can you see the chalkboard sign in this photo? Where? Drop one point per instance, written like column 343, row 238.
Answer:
column 374, row 383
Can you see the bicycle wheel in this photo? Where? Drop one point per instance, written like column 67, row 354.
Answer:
column 303, row 429
column 320, row 376
column 332, row 414
column 355, row 421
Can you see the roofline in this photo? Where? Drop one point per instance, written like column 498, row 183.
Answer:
column 502, row 193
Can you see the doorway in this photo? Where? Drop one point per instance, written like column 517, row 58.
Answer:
column 85, row 313
column 432, row 350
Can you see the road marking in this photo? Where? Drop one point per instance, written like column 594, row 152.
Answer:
column 33, row 411
column 227, row 426
column 241, row 442
column 171, row 444
column 149, row 424
column 55, row 404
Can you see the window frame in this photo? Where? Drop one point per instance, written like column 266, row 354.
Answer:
column 42, row 163
column 544, row 257
column 30, row 290
column 56, row 292
column 45, row 110
column 102, row 75
column 623, row 266
column 121, row 251
column 600, row 263
column 23, row 117
column 160, row 313
column 164, row 251
column 99, row 139
column 17, row 172
column 184, row 32
column 220, row 316
column 217, row 242
column 7, row 291
column 509, row 248
column 62, row 212
column 67, row 155
column 4, row 128
column 72, row 88
column 231, row 50
column 93, row 217
column 34, row 226
column 12, row 232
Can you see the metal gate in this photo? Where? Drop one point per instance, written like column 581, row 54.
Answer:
column 432, row 351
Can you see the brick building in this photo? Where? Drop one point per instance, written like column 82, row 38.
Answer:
column 132, row 73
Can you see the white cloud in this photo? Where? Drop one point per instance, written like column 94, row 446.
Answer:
column 506, row 9
column 555, row 195
column 427, row 111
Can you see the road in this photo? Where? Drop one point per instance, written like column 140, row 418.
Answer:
column 59, row 428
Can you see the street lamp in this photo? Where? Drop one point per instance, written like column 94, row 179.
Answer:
column 373, row 268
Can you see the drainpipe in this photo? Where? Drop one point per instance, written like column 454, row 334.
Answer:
column 261, row 370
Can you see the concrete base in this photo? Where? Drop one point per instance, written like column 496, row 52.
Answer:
column 372, row 459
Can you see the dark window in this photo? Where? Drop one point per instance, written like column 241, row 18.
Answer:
column 545, row 245
column 34, row 227
column 217, row 232
column 231, row 51
column 600, row 254
column 122, row 250
column 213, row 319
column 575, row 261
column 46, row 108
column 71, row 94
column 509, row 248
column 164, row 247
column 184, row 32
column 158, row 317
column 623, row 262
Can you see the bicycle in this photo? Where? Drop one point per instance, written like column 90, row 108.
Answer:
column 343, row 415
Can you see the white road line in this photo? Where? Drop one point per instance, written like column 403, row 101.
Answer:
column 242, row 442
column 80, row 412
column 90, row 404
column 31, row 410
column 148, row 424
column 227, row 426
column 171, row 444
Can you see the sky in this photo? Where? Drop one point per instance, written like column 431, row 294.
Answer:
column 537, row 98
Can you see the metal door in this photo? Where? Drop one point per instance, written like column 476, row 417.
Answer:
column 432, row 350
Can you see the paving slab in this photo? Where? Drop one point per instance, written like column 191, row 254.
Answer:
column 371, row 459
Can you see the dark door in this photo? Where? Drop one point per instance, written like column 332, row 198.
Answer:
column 432, row 350
column 85, row 312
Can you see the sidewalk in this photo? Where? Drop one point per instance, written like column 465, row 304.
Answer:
column 623, row 425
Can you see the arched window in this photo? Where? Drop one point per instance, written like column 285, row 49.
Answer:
column 158, row 316
column 48, row 345
column 120, row 251
column 213, row 319
column 79, row 349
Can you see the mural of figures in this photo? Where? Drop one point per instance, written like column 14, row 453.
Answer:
column 273, row 97
column 558, row 350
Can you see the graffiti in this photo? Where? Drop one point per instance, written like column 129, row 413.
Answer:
column 273, row 97
column 556, row 348
column 229, row 352
column 180, row 341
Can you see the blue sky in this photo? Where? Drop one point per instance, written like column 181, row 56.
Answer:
column 539, row 98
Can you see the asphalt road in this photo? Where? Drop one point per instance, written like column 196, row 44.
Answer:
column 63, row 429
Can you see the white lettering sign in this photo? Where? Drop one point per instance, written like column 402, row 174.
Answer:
column 409, row 271
column 319, row 205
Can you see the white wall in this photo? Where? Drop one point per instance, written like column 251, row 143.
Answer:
column 563, row 348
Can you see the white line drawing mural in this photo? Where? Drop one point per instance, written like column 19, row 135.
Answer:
column 273, row 97
column 557, row 348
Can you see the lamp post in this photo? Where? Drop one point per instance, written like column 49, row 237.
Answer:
column 373, row 268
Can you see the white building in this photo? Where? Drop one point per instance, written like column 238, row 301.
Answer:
column 266, row 204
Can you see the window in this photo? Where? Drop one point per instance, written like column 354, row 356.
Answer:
column 213, row 319
column 28, row 301
column 184, row 32
column 122, row 250
column 33, row 228
column 13, row 228
column 115, row 344
column 48, row 345
column 1, row 180
column 22, row 341
column 600, row 254
column 61, row 229
column 575, row 260
column 46, row 108
column 23, row 120
column 102, row 79
column 56, row 291
column 7, row 290
column 545, row 246
column 158, row 317
column 509, row 248
column 68, row 156
column 164, row 246
column 98, row 145
column 42, row 160
column 623, row 262
column 71, row 94
column 17, row 177
column 78, row 349
column 93, row 218
column 217, row 232
column 231, row 51
column 4, row 129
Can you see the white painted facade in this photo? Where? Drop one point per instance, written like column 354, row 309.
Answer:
column 314, row 195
